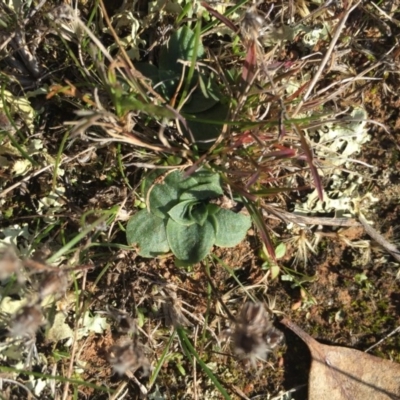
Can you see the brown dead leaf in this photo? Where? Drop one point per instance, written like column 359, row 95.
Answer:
column 347, row 374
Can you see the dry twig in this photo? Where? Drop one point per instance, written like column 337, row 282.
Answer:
column 328, row 54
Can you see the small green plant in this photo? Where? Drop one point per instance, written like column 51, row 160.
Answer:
column 181, row 217
column 193, row 91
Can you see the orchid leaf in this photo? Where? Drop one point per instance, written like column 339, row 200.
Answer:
column 181, row 213
column 190, row 244
column 180, row 217
column 231, row 227
column 147, row 233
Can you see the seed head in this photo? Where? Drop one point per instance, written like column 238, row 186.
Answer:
column 9, row 263
column 254, row 335
column 127, row 358
column 53, row 283
column 252, row 25
column 172, row 307
column 26, row 321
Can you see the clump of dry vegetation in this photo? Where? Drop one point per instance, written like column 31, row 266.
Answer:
column 288, row 109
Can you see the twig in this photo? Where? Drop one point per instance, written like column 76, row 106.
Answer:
column 315, row 12
column 216, row 293
column 287, row 216
column 391, row 19
column 389, row 247
column 283, row 395
column 142, row 388
column 119, row 390
column 383, row 339
column 350, row 222
column 30, row 394
column 27, row 178
column 328, row 54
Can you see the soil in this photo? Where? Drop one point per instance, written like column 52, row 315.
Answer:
column 347, row 293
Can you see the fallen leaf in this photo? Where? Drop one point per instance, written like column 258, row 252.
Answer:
column 347, row 373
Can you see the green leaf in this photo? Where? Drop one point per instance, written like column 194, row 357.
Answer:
column 202, row 192
column 168, row 82
column 212, row 209
column 180, row 47
column 149, row 179
column 202, row 98
column 280, row 250
column 231, row 228
column 165, row 195
column 275, row 271
column 205, row 176
column 209, row 86
column 190, row 244
column 199, row 213
column 181, row 213
column 187, row 183
column 189, row 212
column 149, row 71
column 190, row 351
column 207, row 125
column 147, row 232
column 129, row 104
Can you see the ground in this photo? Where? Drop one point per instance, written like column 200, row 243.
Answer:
column 67, row 194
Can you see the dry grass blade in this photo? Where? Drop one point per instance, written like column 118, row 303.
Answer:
column 219, row 16
column 310, row 159
column 335, row 38
column 302, row 219
column 375, row 235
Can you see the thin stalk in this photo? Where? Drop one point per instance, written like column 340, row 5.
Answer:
column 77, row 238
column 189, row 77
column 328, row 54
column 160, row 363
column 189, row 349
